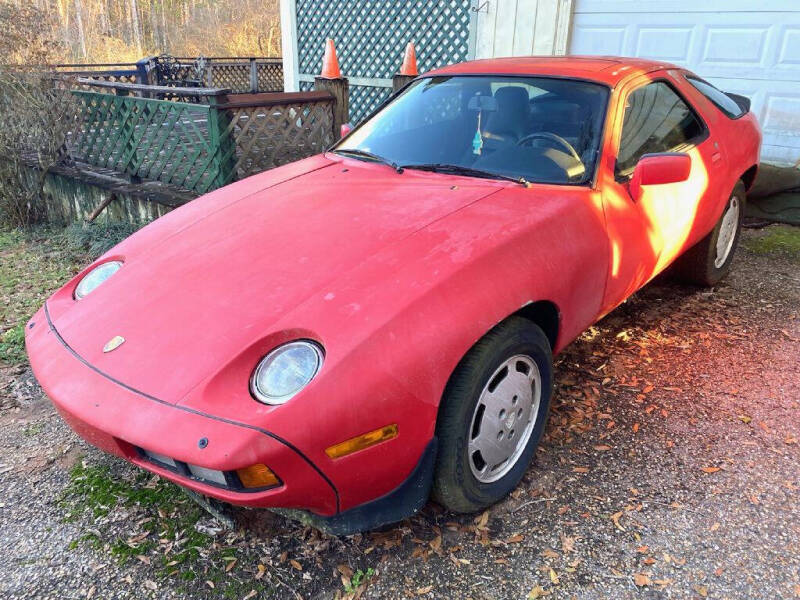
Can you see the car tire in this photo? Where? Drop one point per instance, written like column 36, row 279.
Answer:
column 465, row 480
column 710, row 259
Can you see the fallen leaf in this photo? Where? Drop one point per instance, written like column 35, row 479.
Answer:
column 553, row 577
column 296, row 565
column 744, row 419
column 615, row 517
column 635, row 427
column 643, row 549
column 343, row 569
column 423, row 590
column 702, row 590
column 515, row 539
column 537, row 592
column 580, row 469
column 482, row 520
column 602, row 448
column 710, row 469
column 642, row 579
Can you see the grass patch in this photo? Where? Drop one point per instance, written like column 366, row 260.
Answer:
column 36, row 262
column 776, row 239
column 166, row 535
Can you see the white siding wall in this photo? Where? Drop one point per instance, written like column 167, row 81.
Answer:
column 522, row 27
column 750, row 47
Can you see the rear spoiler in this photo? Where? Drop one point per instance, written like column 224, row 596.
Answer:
column 742, row 101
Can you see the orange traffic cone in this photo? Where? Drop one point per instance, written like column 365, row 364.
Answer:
column 409, row 61
column 330, row 64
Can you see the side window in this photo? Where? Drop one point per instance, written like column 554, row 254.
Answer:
column 718, row 98
column 656, row 120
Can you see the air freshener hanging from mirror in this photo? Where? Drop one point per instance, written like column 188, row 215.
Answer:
column 477, row 141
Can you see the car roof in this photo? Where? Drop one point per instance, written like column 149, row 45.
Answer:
column 610, row 70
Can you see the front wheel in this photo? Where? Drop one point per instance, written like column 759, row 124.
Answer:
column 492, row 416
column 710, row 259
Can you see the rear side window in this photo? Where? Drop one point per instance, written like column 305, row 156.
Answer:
column 656, row 119
column 717, row 97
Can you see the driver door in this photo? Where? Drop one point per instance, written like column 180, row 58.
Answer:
column 648, row 232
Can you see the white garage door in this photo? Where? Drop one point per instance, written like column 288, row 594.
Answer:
column 751, row 47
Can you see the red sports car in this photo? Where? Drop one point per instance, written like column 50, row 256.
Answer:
column 352, row 332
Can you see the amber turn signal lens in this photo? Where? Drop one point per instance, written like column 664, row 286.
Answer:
column 257, row 476
column 362, row 441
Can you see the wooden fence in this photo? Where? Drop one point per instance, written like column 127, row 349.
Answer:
column 197, row 146
column 273, row 129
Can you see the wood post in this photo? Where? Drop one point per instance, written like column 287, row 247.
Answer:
column 253, row 76
column 222, row 141
column 110, row 197
column 399, row 81
column 144, row 69
column 340, row 89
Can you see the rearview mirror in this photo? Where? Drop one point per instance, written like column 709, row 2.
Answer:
column 660, row 169
column 482, row 103
column 345, row 129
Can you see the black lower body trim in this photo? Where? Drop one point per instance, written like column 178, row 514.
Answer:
column 402, row 502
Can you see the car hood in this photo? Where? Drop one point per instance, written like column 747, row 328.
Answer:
column 217, row 281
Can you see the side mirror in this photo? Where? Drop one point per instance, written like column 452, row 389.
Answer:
column 660, row 169
column 345, row 129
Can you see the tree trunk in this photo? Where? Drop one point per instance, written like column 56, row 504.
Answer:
column 137, row 33
column 81, row 32
column 103, row 15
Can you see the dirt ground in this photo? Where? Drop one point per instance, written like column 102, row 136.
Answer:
column 670, row 469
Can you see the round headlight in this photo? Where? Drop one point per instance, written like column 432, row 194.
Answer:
column 95, row 277
column 285, row 371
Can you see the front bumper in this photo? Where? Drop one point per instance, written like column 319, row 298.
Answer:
column 121, row 420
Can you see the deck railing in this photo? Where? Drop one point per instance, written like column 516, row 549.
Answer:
column 238, row 74
column 197, row 146
column 176, row 143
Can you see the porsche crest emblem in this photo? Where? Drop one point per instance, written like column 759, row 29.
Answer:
column 114, row 343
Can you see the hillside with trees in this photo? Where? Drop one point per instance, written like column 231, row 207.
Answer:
column 126, row 30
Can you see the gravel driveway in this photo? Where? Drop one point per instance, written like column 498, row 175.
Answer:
column 670, row 469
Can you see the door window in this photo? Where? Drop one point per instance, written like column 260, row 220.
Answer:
column 656, row 119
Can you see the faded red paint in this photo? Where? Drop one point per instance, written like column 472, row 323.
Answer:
column 396, row 275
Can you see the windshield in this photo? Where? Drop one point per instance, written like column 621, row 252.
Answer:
column 538, row 129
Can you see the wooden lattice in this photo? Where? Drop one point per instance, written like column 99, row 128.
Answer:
column 109, row 76
column 235, row 75
column 270, row 76
column 185, row 145
column 273, row 135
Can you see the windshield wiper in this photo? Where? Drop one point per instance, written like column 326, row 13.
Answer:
column 468, row 171
column 371, row 156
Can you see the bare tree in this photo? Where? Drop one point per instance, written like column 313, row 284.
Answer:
column 137, row 33
column 81, row 32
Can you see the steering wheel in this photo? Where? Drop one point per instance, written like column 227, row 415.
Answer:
column 553, row 138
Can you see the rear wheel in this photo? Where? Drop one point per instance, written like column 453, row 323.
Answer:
column 710, row 259
column 492, row 416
